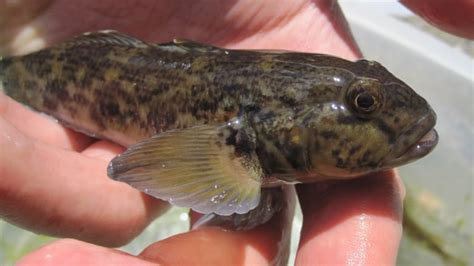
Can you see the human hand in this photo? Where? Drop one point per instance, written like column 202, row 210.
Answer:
column 355, row 221
column 456, row 17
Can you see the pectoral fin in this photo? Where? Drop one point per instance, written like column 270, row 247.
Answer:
column 196, row 168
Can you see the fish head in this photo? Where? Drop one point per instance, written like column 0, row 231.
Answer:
column 376, row 122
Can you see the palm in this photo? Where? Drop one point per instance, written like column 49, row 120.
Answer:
column 76, row 191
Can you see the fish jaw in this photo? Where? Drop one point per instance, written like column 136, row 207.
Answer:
column 423, row 137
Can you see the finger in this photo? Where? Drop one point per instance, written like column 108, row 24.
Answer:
column 103, row 149
column 206, row 246
column 264, row 245
column 454, row 17
column 67, row 194
column 73, row 252
column 41, row 127
column 352, row 222
column 292, row 25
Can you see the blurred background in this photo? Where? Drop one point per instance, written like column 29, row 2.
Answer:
column 438, row 222
column 439, row 211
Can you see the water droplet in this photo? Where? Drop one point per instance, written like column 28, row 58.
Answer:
column 214, row 200
column 218, row 198
column 184, row 216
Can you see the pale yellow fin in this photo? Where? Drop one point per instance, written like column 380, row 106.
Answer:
column 193, row 168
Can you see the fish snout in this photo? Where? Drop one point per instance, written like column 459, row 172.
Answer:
column 414, row 143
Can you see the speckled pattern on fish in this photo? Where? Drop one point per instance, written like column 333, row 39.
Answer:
column 288, row 116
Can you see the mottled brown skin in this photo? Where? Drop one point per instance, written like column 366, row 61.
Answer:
column 300, row 107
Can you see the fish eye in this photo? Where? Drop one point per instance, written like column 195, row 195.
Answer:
column 365, row 102
column 365, row 96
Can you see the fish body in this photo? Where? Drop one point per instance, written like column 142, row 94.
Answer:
column 218, row 130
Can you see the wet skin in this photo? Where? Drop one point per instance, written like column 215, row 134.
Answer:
column 224, row 122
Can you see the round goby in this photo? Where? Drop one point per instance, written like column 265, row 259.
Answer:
column 219, row 130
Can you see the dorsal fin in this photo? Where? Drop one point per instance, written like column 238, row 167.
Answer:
column 105, row 37
column 195, row 45
column 190, row 46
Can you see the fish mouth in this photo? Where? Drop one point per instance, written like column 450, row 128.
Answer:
column 420, row 149
column 425, row 141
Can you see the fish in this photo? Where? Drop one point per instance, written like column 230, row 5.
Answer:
column 221, row 131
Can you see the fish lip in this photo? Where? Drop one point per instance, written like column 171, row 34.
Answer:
column 418, row 150
column 427, row 141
